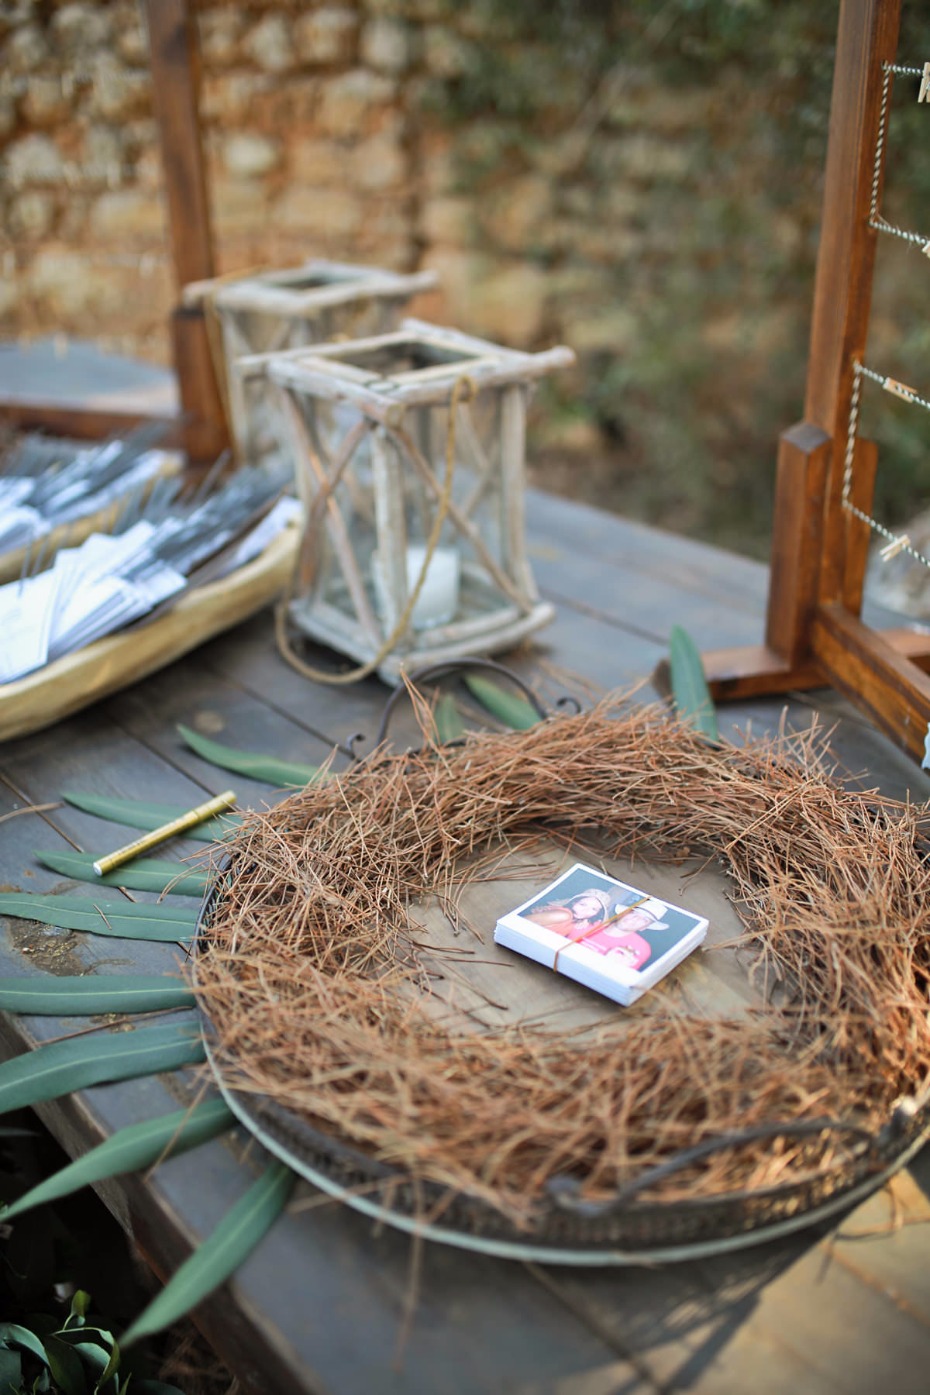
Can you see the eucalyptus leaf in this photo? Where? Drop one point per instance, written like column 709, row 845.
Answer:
column 109, row 1370
column 279, row 773
column 13, row 1335
column 97, row 1357
column 137, row 813
column 141, row 874
column 11, row 1370
column 80, row 1305
column 448, row 720
column 59, row 1067
column 84, row 994
column 131, row 1149
column 90, row 1336
column 689, row 686
column 66, row 1367
column 509, row 708
column 124, row 919
column 220, row 1254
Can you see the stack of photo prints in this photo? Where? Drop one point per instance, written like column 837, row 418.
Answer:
column 602, row 933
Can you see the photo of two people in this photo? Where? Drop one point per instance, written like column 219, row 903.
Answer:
column 609, row 918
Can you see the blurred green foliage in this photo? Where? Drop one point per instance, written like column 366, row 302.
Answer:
column 721, row 237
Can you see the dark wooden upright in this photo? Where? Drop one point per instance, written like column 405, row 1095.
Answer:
column 175, row 63
column 814, row 634
column 201, row 427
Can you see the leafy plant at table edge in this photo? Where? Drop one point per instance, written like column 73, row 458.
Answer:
column 76, row 1357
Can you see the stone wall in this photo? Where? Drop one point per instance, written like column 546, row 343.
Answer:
column 641, row 182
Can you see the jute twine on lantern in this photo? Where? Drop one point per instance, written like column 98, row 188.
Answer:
column 313, row 980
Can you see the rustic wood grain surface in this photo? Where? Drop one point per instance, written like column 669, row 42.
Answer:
column 320, row 1306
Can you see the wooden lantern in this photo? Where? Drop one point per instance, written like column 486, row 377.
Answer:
column 409, row 451
column 274, row 311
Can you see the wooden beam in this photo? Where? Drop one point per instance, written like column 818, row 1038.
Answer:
column 797, row 536
column 866, row 39
column 175, row 65
column 754, row 670
column 198, row 439
column 888, row 687
column 207, row 430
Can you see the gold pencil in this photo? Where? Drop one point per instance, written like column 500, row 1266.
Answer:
column 217, row 805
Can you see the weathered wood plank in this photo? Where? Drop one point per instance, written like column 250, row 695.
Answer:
column 850, row 1334
column 290, row 1320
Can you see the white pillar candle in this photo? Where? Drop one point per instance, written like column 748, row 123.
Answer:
column 439, row 595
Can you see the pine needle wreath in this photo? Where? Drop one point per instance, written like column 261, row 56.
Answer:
column 313, row 981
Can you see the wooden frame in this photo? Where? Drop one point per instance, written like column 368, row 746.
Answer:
column 200, row 429
column 814, row 633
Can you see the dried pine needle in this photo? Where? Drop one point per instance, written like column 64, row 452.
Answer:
column 312, row 971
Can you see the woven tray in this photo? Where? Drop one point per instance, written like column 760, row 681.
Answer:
column 76, row 680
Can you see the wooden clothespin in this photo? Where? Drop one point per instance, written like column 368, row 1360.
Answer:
column 924, row 94
column 907, row 394
column 891, row 549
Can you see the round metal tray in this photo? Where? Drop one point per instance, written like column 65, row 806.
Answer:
column 569, row 1229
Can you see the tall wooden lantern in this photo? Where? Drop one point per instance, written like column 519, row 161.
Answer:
column 273, row 311
column 409, row 451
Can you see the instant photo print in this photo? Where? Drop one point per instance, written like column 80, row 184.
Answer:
column 610, row 936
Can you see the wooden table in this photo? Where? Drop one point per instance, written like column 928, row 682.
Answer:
column 320, row 1305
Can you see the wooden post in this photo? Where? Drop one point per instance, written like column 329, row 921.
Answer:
column 175, row 65
column 202, row 430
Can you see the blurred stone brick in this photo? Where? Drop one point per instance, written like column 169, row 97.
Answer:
column 34, row 159
column 247, row 156
column 386, row 45
column 327, row 36
column 32, row 214
column 269, row 44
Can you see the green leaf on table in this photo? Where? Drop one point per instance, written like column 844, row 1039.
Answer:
column 689, row 686
column 81, row 995
column 142, row 874
column 279, row 773
column 59, row 1067
column 126, row 920
column 509, row 708
column 220, row 1254
column 137, row 813
column 130, row 1149
column 448, row 720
